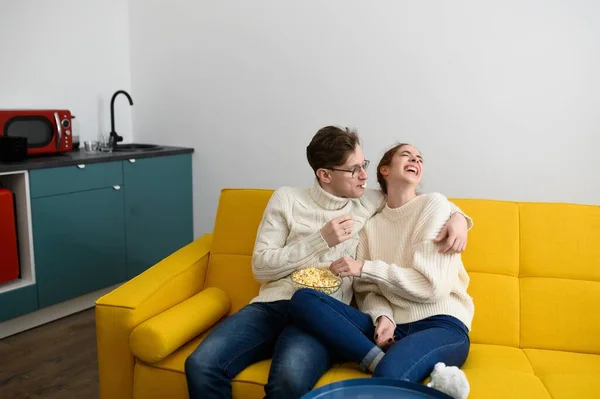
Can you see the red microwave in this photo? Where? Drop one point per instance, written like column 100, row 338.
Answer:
column 47, row 131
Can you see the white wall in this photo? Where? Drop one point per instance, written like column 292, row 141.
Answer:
column 503, row 98
column 71, row 54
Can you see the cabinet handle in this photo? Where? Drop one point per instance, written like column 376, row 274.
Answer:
column 117, row 187
column 81, row 166
column 132, row 160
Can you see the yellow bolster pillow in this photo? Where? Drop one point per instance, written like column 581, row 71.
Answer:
column 158, row 337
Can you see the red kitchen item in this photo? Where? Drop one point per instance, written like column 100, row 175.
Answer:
column 47, row 131
column 9, row 254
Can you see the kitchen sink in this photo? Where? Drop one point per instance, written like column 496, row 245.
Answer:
column 135, row 147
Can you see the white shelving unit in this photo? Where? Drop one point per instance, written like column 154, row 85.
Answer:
column 18, row 183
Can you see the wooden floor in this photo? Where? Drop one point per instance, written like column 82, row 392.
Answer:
column 53, row 361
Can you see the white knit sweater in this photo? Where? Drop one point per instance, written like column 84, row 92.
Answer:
column 404, row 277
column 289, row 237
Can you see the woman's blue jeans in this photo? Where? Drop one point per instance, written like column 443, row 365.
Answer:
column 349, row 333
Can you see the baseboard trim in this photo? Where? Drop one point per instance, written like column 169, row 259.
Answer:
column 51, row 313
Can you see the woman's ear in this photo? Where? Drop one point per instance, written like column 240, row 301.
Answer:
column 384, row 170
column 324, row 175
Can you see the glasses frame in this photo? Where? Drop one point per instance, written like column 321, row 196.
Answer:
column 364, row 167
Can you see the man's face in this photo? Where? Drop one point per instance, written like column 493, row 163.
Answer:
column 349, row 179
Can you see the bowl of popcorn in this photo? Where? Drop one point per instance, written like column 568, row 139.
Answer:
column 319, row 279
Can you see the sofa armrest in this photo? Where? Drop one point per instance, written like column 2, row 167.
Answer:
column 171, row 281
column 158, row 337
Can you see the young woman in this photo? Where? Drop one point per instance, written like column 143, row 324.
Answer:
column 413, row 307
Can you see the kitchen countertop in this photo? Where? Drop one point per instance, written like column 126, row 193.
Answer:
column 77, row 157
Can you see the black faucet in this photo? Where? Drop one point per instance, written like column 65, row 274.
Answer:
column 114, row 138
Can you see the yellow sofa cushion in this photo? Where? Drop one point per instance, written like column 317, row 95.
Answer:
column 546, row 362
column 560, row 314
column 233, row 274
column 560, row 241
column 569, row 386
column 492, row 260
column 567, row 374
column 496, row 371
column 497, row 357
column 496, row 299
column 238, row 215
column 504, row 384
column 493, row 242
column 237, row 219
column 560, row 277
column 155, row 383
column 159, row 336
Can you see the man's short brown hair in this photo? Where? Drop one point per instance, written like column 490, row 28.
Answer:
column 331, row 146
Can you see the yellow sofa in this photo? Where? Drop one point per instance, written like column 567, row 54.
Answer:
column 535, row 280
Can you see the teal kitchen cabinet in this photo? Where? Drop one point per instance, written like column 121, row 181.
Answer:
column 70, row 179
column 158, row 209
column 17, row 302
column 99, row 224
column 78, row 227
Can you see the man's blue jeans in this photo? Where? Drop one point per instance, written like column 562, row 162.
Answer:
column 349, row 333
column 256, row 332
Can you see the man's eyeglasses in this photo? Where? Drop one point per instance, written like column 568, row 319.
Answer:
column 356, row 170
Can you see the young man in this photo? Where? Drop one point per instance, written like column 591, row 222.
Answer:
column 300, row 227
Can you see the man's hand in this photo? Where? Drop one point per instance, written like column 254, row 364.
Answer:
column 346, row 266
column 337, row 230
column 455, row 233
column 384, row 332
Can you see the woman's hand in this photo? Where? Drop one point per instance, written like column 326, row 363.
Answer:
column 346, row 266
column 384, row 332
column 455, row 230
